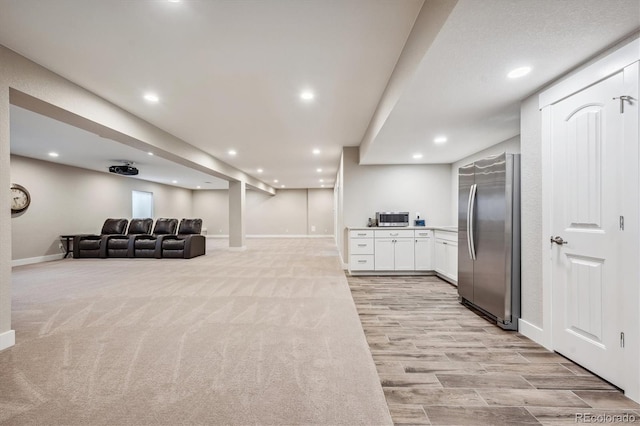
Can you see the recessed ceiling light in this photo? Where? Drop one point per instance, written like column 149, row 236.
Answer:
column 316, row 151
column 150, row 153
column 440, row 139
column 198, row 187
column 319, row 170
column 53, row 154
column 307, row 95
column 519, row 72
column 275, row 181
column 417, row 156
column 260, row 170
column 174, row 181
column 151, row 97
column 321, row 186
column 282, row 186
column 232, row 152
column 321, row 180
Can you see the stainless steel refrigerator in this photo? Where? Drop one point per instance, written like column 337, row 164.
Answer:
column 489, row 237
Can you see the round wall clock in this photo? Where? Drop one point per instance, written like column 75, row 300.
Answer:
column 20, row 198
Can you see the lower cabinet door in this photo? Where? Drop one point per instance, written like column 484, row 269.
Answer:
column 404, row 254
column 441, row 257
column 423, row 254
column 384, row 257
column 452, row 261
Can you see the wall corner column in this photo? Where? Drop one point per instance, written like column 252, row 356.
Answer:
column 7, row 335
column 237, row 198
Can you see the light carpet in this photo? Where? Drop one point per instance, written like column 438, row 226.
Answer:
column 265, row 336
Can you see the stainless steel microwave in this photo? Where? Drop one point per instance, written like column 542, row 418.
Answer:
column 392, row 218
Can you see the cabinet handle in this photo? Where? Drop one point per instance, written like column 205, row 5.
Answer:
column 444, row 242
column 362, row 245
column 362, row 261
column 361, row 235
column 394, row 235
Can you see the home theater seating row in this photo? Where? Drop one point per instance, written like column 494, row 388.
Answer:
column 167, row 240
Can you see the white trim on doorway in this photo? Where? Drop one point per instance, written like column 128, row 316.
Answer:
column 625, row 58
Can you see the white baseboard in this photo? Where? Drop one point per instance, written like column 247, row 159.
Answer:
column 243, row 248
column 290, row 236
column 533, row 332
column 275, row 236
column 39, row 259
column 7, row 339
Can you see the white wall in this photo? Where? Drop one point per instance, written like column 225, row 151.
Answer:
column 510, row 146
column 282, row 214
column 423, row 188
column 68, row 200
column 212, row 206
column 289, row 212
column 339, row 213
column 320, row 211
column 531, row 211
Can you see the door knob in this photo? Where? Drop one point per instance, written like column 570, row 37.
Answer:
column 558, row 240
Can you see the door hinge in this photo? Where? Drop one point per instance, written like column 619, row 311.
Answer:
column 622, row 339
column 622, row 223
column 622, row 99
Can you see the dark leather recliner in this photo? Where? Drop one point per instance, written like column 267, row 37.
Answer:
column 90, row 245
column 188, row 243
column 122, row 245
column 149, row 245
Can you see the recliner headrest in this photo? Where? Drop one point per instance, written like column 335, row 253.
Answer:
column 140, row 226
column 114, row 226
column 190, row 226
column 165, row 226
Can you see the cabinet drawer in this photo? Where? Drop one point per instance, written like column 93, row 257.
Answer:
column 423, row 234
column 447, row 236
column 361, row 233
column 447, row 242
column 392, row 233
column 361, row 262
column 361, row 246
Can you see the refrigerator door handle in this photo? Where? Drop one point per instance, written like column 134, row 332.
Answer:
column 470, row 220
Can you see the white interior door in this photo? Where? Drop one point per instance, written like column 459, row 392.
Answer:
column 586, row 148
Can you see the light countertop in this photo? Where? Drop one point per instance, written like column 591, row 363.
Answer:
column 435, row 228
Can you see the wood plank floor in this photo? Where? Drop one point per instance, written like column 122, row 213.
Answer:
column 441, row 363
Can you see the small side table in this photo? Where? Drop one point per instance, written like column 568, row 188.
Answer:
column 67, row 243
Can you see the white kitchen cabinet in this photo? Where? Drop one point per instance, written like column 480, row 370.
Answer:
column 361, row 250
column 423, row 250
column 398, row 250
column 446, row 255
column 394, row 250
column 384, row 254
column 361, row 262
column 404, row 254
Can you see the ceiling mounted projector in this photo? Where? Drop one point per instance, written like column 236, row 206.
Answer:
column 127, row 169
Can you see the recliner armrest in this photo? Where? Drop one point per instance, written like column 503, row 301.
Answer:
column 78, row 238
column 195, row 245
